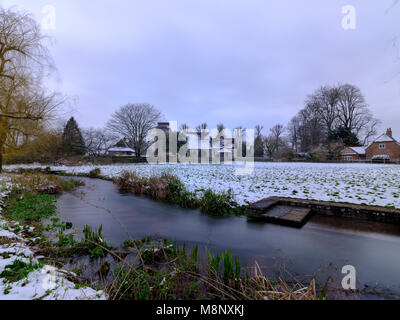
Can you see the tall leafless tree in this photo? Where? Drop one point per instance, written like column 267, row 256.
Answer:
column 134, row 121
column 274, row 141
column 354, row 115
column 328, row 110
column 258, row 141
column 325, row 102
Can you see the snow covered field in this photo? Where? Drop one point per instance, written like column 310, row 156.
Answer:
column 353, row 183
column 43, row 282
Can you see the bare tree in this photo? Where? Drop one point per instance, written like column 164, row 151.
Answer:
column 274, row 141
column 270, row 147
column 293, row 129
column 134, row 121
column 329, row 111
column 220, row 127
column 354, row 115
column 97, row 141
column 184, row 127
column 24, row 58
column 325, row 103
column 258, row 142
column 277, row 133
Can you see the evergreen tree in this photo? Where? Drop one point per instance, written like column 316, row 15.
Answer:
column 345, row 135
column 73, row 143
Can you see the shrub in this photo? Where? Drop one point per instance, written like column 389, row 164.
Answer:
column 218, row 204
column 166, row 188
column 95, row 173
column 170, row 189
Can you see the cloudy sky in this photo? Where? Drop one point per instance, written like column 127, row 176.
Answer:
column 239, row 62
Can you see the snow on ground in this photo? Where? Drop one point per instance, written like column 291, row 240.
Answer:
column 46, row 282
column 372, row 184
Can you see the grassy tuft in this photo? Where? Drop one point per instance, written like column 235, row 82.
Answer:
column 31, row 207
column 170, row 189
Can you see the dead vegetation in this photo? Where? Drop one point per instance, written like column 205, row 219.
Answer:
column 42, row 183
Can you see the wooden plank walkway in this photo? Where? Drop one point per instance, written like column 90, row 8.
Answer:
column 295, row 212
column 271, row 211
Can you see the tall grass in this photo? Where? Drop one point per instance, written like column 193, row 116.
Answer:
column 170, row 189
column 173, row 273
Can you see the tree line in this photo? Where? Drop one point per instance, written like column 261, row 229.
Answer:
column 332, row 117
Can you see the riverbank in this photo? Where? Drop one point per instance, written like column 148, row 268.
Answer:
column 23, row 274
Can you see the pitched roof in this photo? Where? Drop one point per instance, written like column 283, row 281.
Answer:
column 359, row 150
column 119, row 149
column 384, row 138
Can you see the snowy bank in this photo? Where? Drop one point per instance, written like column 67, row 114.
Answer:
column 43, row 282
column 352, row 183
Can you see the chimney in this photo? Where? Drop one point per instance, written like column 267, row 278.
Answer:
column 389, row 132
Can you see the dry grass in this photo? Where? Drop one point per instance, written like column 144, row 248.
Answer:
column 7, row 241
column 42, row 183
column 155, row 187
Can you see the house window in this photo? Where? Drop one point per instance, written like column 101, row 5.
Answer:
column 348, row 158
column 382, row 146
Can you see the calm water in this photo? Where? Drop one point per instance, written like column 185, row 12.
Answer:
column 320, row 248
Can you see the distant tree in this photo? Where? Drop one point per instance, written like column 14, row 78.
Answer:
column 332, row 113
column 201, row 127
column 184, row 127
column 72, row 140
column 293, row 129
column 97, row 141
column 134, row 121
column 325, row 103
column 258, row 142
column 354, row 115
column 277, row 133
column 46, row 145
column 220, row 127
column 274, row 141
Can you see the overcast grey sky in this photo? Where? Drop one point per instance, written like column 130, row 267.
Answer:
column 240, row 62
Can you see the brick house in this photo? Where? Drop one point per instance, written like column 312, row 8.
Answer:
column 353, row 154
column 385, row 147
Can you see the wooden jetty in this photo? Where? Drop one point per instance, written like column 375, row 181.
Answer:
column 272, row 211
column 296, row 212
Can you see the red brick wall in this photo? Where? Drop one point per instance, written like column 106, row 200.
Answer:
column 346, row 153
column 392, row 149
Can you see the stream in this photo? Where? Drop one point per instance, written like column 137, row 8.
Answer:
column 320, row 249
